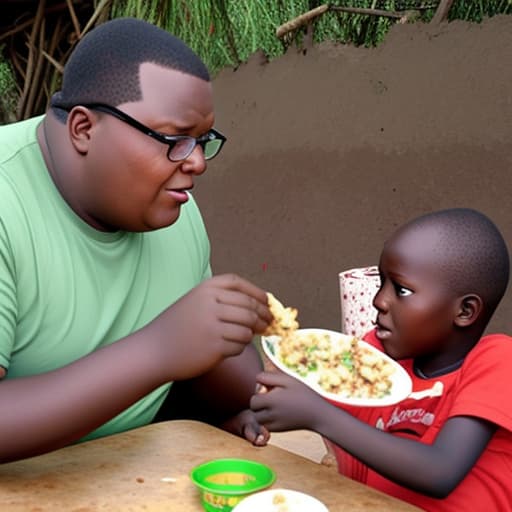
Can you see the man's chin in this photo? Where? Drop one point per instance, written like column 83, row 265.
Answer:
column 163, row 222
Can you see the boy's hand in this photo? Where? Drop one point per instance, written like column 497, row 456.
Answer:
column 284, row 403
column 245, row 425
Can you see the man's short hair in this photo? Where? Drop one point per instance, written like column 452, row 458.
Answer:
column 104, row 66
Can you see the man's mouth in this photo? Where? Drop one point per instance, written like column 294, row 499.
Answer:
column 179, row 195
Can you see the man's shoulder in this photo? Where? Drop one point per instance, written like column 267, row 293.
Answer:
column 16, row 137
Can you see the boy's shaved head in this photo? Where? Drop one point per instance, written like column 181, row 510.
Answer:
column 104, row 67
column 469, row 249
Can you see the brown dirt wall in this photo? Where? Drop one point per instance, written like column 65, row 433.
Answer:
column 331, row 147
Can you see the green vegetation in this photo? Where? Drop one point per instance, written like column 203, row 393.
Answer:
column 224, row 33
column 477, row 10
column 8, row 91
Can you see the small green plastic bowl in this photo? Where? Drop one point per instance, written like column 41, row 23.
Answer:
column 223, row 483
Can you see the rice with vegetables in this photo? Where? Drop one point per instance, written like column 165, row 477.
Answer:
column 340, row 366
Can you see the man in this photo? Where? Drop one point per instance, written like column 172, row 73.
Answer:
column 106, row 294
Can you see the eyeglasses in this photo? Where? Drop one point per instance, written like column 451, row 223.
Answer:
column 180, row 146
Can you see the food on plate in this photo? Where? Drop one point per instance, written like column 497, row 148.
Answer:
column 285, row 318
column 280, row 500
column 340, row 365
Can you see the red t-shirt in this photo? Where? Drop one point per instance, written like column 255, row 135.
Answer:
column 481, row 387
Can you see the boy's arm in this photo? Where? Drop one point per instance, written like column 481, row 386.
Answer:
column 434, row 470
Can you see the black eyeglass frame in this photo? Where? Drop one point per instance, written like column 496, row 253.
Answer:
column 169, row 140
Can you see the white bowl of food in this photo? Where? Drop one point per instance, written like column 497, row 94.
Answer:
column 341, row 368
column 280, row 500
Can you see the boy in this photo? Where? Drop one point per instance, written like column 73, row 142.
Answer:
column 448, row 446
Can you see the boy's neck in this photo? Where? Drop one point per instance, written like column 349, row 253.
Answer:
column 439, row 372
column 450, row 360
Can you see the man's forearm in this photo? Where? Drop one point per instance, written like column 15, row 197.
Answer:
column 48, row 411
column 217, row 395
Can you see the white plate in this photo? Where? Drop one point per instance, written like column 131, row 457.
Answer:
column 401, row 382
column 280, row 500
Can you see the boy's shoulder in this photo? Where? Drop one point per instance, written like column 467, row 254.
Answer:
column 491, row 351
column 497, row 336
column 493, row 340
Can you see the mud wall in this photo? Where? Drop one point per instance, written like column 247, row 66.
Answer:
column 330, row 148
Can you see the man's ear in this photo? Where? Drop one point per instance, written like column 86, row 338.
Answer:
column 80, row 122
column 469, row 310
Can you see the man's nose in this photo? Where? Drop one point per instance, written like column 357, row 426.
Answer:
column 195, row 162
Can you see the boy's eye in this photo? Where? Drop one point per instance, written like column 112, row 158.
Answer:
column 402, row 291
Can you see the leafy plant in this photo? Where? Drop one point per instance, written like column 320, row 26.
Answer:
column 9, row 95
column 224, row 33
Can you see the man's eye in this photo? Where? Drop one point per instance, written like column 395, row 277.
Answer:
column 401, row 291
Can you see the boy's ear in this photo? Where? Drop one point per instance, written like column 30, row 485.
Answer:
column 469, row 309
column 80, row 121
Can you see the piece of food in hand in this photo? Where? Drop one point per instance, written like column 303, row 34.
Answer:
column 284, row 321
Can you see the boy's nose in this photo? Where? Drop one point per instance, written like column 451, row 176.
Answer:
column 379, row 301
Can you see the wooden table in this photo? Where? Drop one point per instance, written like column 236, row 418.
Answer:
column 147, row 469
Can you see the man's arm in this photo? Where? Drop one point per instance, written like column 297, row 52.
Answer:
column 48, row 411
column 217, row 395
column 214, row 321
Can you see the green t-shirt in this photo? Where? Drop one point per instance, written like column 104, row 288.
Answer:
column 67, row 289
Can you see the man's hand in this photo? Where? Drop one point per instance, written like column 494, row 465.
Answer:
column 215, row 320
